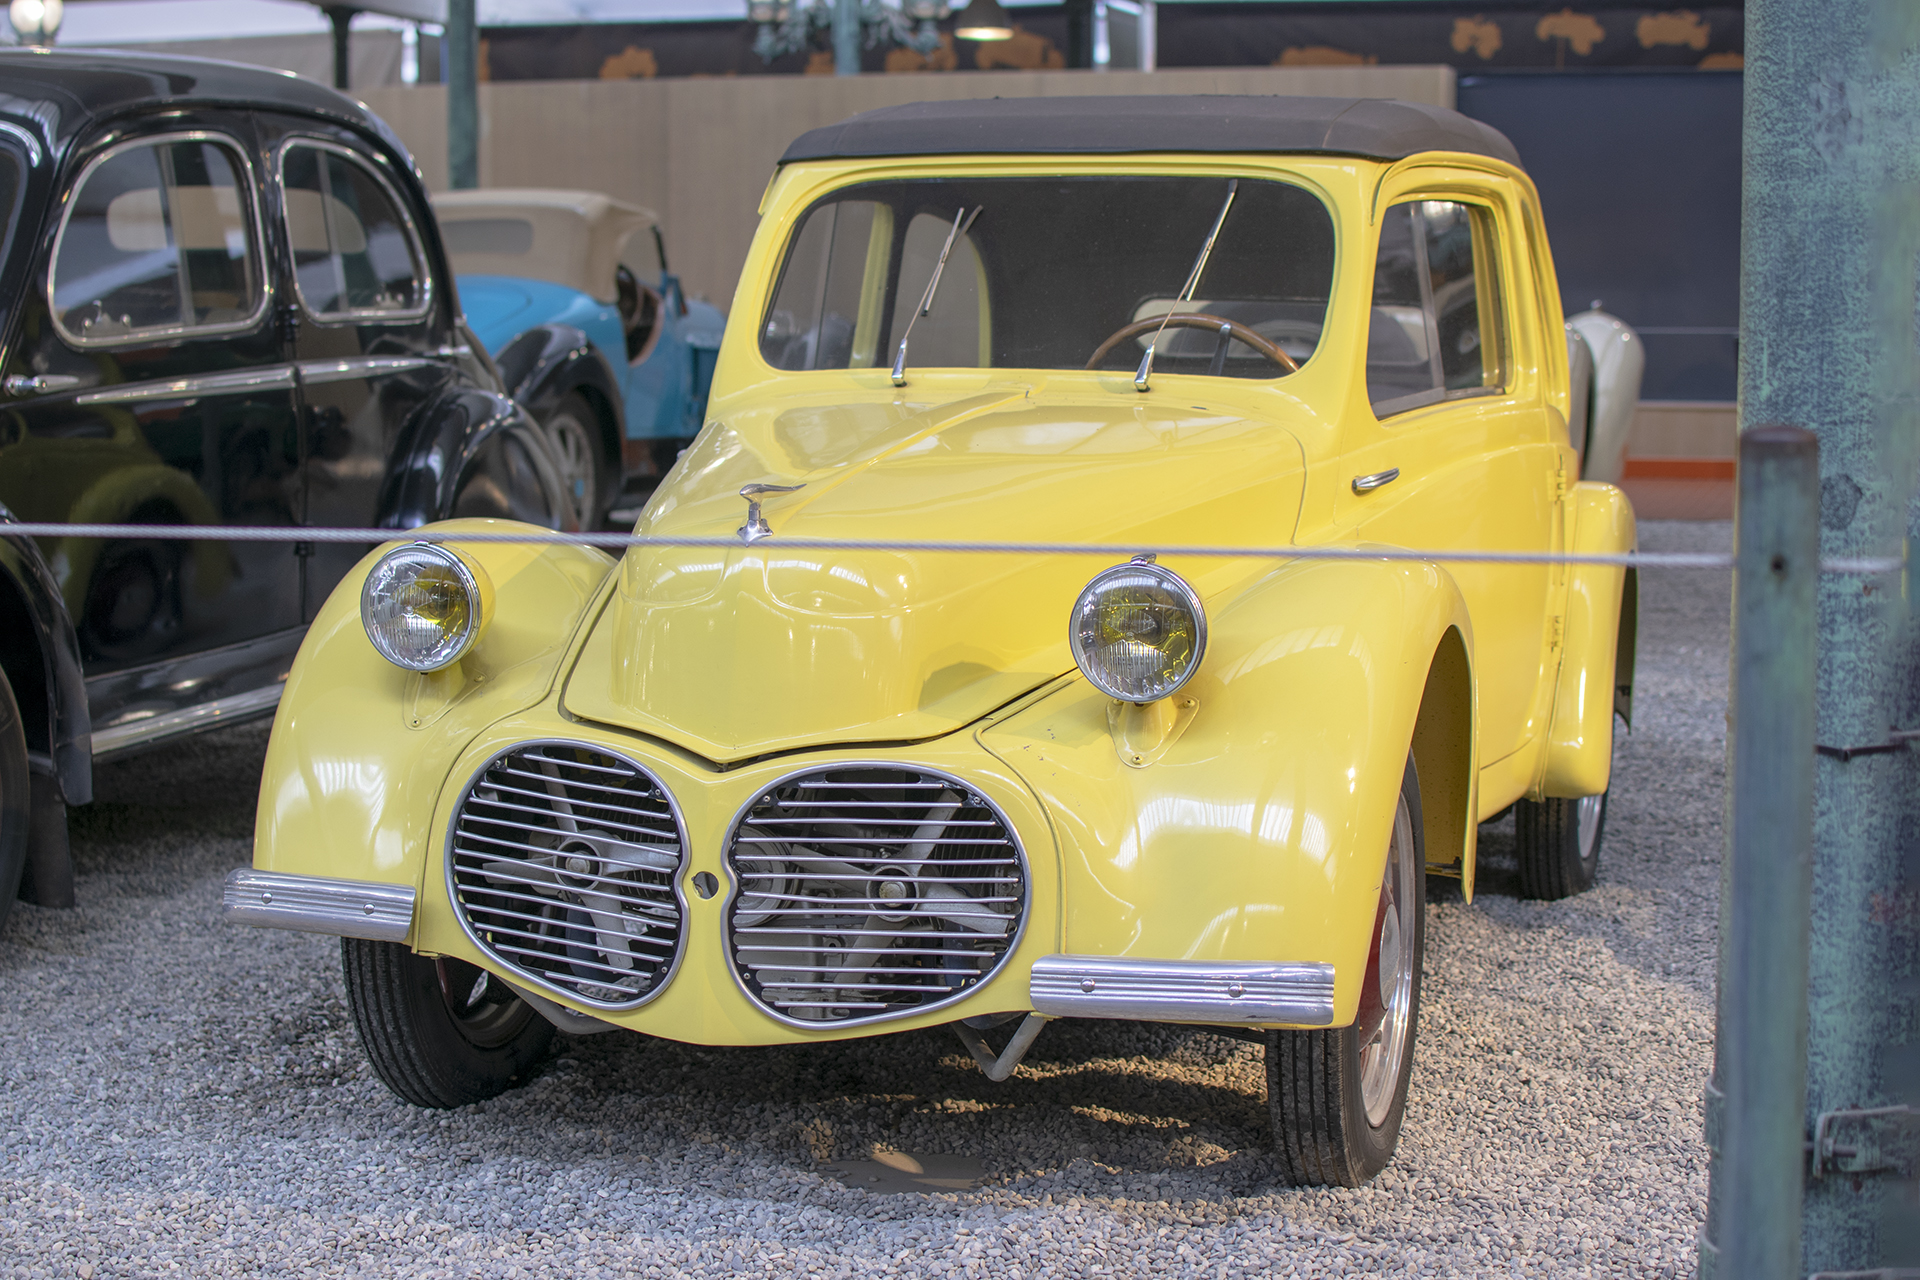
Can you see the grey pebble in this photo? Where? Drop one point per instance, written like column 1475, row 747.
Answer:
column 186, row 1097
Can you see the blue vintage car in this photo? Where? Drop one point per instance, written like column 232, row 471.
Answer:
column 570, row 293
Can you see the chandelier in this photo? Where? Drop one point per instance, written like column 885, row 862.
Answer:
column 795, row 26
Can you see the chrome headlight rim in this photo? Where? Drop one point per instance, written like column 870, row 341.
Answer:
column 446, row 557
column 1166, row 578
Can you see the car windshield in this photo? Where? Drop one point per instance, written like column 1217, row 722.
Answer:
column 1052, row 272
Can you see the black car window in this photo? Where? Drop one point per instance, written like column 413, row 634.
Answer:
column 1435, row 328
column 12, row 183
column 1049, row 271
column 158, row 239
column 354, row 253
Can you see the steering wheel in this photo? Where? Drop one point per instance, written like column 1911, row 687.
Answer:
column 1195, row 320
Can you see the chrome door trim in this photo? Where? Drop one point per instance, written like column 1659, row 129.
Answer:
column 1198, row 991
column 352, row 367
column 258, row 251
column 207, row 715
column 318, row 904
column 1367, row 484
column 277, row 377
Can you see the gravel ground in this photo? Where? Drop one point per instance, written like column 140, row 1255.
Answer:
column 185, row 1096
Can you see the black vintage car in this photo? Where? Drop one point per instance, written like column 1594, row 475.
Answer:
column 226, row 302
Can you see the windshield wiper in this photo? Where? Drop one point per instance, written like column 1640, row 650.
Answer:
column 1145, row 370
column 926, row 301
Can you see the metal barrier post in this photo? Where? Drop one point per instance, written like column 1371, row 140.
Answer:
column 1830, row 238
column 1760, row 1052
column 463, row 96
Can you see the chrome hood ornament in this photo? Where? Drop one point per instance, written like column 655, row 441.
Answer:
column 756, row 526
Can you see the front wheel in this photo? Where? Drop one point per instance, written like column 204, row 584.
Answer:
column 1557, row 843
column 1337, row 1097
column 439, row 1032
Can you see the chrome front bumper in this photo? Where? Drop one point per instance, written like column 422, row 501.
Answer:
column 315, row 904
column 1200, row 991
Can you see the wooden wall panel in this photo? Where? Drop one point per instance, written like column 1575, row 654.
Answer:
column 699, row 152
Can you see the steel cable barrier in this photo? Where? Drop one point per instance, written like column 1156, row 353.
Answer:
column 622, row 541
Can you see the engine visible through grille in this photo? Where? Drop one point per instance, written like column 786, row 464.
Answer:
column 865, row 891
column 561, row 862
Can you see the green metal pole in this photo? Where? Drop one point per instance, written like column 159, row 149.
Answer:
column 1830, row 251
column 1760, row 1052
column 463, row 96
column 846, row 37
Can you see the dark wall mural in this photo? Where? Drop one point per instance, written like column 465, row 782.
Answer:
column 1481, row 37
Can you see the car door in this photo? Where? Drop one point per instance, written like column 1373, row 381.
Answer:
column 369, row 335
column 1460, row 451
column 153, row 388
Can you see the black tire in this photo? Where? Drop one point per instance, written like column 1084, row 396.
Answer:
column 574, row 435
column 1319, row 1082
column 512, row 476
column 439, row 1032
column 16, row 804
column 1557, row 843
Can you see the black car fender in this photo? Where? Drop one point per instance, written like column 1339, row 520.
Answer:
column 41, row 656
column 540, row 366
column 442, row 442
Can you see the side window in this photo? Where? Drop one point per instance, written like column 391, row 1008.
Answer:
column 157, row 240
column 354, row 256
column 1436, row 307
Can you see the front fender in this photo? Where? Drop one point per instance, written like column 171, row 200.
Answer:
column 360, row 747
column 1261, row 832
column 1579, row 755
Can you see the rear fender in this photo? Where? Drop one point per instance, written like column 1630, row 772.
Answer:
column 1261, row 832
column 443, row 438
column 41, row 657
column 1579, row 756
column 357, row 742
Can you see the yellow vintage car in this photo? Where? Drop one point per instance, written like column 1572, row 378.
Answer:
column 792, row 773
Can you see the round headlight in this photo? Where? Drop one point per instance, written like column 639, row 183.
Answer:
column 423, row 606
column 1138, row 632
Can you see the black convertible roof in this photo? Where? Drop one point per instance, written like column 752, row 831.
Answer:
column 1377, row 128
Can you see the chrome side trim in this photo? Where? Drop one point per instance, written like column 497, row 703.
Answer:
column 207, row 715
column 316, row 371
column 274, row 378
column 316, row 904
column 1182, row 990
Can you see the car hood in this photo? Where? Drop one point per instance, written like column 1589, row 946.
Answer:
column 499, row 308
column 738, row 652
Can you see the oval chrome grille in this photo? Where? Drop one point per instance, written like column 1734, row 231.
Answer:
column 562, row 863
column 864, row 891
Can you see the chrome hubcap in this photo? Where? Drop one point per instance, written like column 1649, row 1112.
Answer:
column 1586, row 812
column 573, row 451
column 1386, row 997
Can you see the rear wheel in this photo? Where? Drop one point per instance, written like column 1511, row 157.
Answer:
column 1557, row 843
column 1337, row 1097
column 573, row 430
column 439, row 1032
column 16, row 806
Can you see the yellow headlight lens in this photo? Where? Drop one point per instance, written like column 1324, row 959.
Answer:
column 1138, row 632
column 423, row 606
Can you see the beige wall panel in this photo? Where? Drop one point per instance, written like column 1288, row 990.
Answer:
column 700, row 152
column 1684, row 429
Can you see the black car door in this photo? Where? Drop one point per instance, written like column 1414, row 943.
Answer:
column 153, row 388
column 372, row 340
